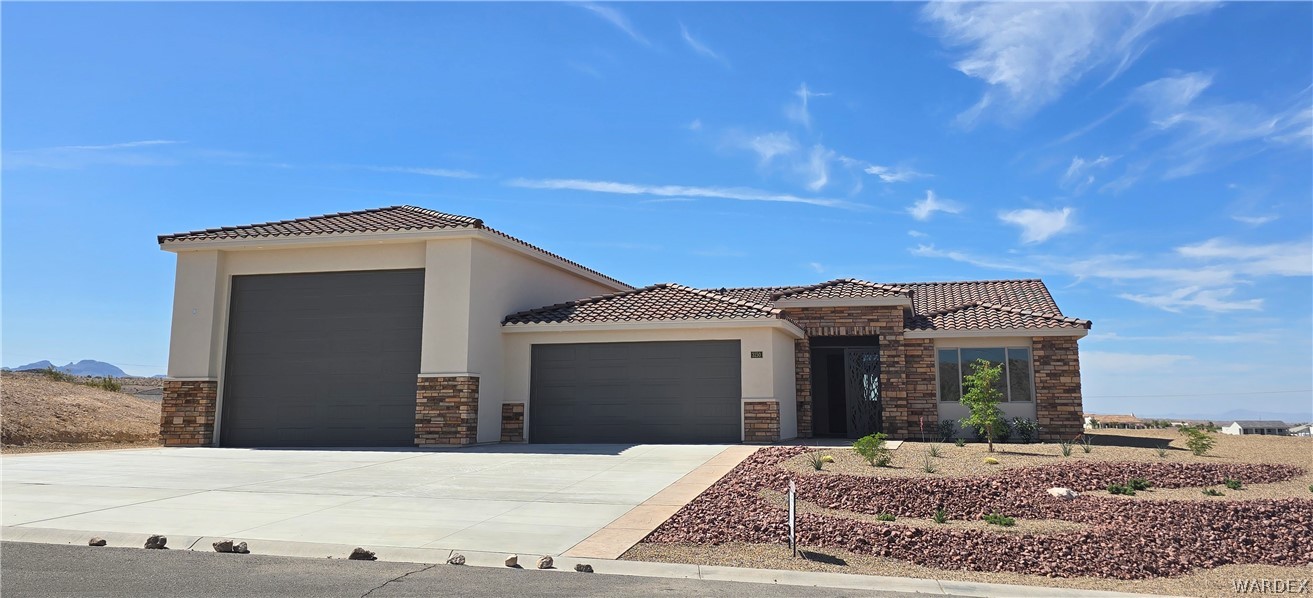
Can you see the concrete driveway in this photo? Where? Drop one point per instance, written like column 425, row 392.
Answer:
column 530, row 499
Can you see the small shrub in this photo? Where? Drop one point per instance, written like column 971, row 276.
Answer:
column 1066, row 448
column 106, row 383
column 1002, row 431
column 1216, row 492
column 1197, row 440
column 1086, row 444
column 1138, row 484
column 1162, row 452
column 929, row 465
column 1123, row 489
column 1231, row 484
column 1310, row 487
column 941, row 516
column 991, row 461
column 1025, row 428
column 872, row 448
column 1003, row 520
column 58, row 376
column 960, row 442
column 934, row 451
column 885, row 517
column 946, row 429
column 817, row 460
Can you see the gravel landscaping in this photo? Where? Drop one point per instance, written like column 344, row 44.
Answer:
column 1095, row 536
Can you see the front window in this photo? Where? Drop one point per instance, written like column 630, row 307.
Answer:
column 956, row 364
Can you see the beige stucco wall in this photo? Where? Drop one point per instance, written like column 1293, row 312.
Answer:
column 769, row 377
column 1010, row 408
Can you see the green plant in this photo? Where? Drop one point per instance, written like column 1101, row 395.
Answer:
column 1214, row 492
column 1086, row 443
column 1066, row 448
column 929, row 465
column 941, row 516
column 1162, row 452
column 960, row 442
column 872, row 448
column 1138, row 484
column 58, row 376
column 817, row 460
column 934, row 451
column 1003, row 520
column 1197, row 440
column 1003, row 430
column 1231, row 484
column 885, row 517
column 947, row 429
column 1025, row 429
column 981, row 395
column 1310, row 487
column 1124, row 489
column 106, row 383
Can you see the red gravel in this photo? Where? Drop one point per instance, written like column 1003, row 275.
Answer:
column 1126, row 539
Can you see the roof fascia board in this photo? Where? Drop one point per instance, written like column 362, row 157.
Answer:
column 844, row 302
column 784, row 325
column 1075, row 332
column 351, row 238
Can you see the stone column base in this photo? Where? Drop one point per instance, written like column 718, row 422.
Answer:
column 187, row 413
column 512, row 422
column 761, row 422
column 447, row 411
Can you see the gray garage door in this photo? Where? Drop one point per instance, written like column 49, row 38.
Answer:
column 326, row 359
column 666, row 392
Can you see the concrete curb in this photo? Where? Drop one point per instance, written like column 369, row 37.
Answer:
column 475, row 558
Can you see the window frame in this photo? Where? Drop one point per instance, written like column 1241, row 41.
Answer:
column 1030, row 361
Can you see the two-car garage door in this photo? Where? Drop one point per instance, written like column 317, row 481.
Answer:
column 323, row 359
column 654, row 392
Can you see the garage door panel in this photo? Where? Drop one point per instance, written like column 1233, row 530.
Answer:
column 326, row 359
column 682, row 391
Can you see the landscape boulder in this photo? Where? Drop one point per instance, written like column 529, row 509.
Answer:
column 360, row 554
column 156, row 542
column 96, row 542
column 456, row 559
column 223, row 546
column 1066, row 493
column 545, row 562
column 583, row 568
column 513, row 560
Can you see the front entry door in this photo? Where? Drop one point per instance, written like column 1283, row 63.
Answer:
column 862, row 391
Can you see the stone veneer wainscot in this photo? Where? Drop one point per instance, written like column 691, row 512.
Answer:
column 446, row 410
column 187, row 412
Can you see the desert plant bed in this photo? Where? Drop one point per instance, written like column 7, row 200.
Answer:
column 1113, row 538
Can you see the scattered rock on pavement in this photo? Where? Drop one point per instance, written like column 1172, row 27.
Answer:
column 545, row 562
column 513, row 560
column 241, row 548
column 360, row 554
column 583, row 568
column 223, row 546
column 97, row 541
column 156, row 542
column 456, row 559
column 1063, row 493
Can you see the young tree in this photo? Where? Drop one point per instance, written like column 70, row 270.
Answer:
column 981, row 395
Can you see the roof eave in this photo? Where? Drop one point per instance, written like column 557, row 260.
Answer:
column 704, row 323
column 1008, row 332
column 902, row 301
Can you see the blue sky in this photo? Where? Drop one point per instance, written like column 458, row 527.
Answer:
column 1152, row 163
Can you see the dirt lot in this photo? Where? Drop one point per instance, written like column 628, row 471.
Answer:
column 39, row 414
column 1170, row 540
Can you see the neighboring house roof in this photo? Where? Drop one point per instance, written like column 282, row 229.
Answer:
column 1261, row 423
column 984, row 316
column 843, row 288
column 1115, row 418
column 659, row 302
column 376, row 220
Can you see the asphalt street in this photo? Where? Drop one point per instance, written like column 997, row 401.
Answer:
column 35, row 570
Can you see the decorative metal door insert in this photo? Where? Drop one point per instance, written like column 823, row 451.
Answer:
column 862, row 387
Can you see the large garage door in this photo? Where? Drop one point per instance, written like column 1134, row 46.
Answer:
column 325, row 359
column 669, row 392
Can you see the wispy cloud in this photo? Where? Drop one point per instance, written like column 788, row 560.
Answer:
column 1256, row 220
column 818, row 167
column 617, row 18
column 436, row 172
column 1080, row 173
column 800, row 111
column 694, row 125
column 894, row 174
column 1120, row 363
column 114, row 146
column 675, row 191
column 586, row 69
column 767, row 146
column 1214, row 300
column 1028, row 54
column 700, row 47
column 148, row 152
column 1038, row 225
column 1293, row 258
column 816, row 267
column 915, row 233
column 926, row 207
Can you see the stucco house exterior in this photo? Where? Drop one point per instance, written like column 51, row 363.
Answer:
column 1265, row 427
column 404, row 326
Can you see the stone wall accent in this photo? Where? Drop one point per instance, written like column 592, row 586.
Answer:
column 512, row 422
column 884, row 321
column 447, row 411
column 187, row 414
column 1057, row 387
column 922, row 387
column 761, row 422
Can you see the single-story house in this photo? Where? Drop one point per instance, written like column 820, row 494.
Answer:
column 1301, row 430
column 1119, row 421
column 405, row 326
column 1265, row 427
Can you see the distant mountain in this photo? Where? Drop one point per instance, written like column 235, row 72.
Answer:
column 86, row 367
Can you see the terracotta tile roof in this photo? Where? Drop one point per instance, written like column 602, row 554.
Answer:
column 843, row 288
column 376, row 220
column 990, row 316
column 659, row 302
column 1025, row 293
column 759, row 295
